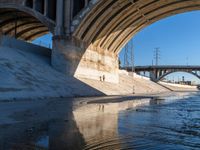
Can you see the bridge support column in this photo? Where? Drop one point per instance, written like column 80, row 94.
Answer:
column 66, row 55
column 153, row 76
column 67, row 16
column 99, row 64
column 73, row 59
column 59, row 18
column 46, row 8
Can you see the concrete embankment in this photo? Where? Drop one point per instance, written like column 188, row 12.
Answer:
column 25, row 74
column 179, row 87
column 128, row 84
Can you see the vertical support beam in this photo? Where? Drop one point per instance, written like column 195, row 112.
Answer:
column 34, row 4
column 66, row 55
column 153, row 75
column 157, row 74
column 59, row 17
column 160, row 73
column 46, row 8
column 68, row 16
column 38, row 5
column 24, row 3
column 86, row 3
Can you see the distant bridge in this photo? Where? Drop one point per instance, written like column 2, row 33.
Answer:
column 159, row 72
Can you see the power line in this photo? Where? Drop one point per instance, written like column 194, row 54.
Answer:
column 157, row 55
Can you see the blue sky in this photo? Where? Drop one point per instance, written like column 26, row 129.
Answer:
column 45, row 40
column 178, row 38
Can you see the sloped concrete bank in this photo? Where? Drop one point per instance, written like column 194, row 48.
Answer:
column 28, row 75
column 179, row 87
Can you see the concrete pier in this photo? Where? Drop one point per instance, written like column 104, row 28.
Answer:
column 66, row 55
column 70, row 57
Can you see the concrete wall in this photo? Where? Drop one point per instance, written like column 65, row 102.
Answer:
column 95, row 64
column 28, row 47
column 73, row 59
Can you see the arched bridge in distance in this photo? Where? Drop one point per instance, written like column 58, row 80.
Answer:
column 157, row 73
column 88, row 35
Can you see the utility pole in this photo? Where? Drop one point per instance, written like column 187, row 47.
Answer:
column 132, row 63
column 157, row 56
column 132, row 57
column 129, row 60
column 129, row 56
column 126, row 64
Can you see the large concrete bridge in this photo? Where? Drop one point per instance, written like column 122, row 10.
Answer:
column 159, row 72
column 87, row 34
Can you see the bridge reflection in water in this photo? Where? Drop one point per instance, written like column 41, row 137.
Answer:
column 90, row 125
column 98, row 123
column 164, row 123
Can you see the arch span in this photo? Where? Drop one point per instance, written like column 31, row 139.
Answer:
column 100, row 28
column 110, row 24
column 170, row 72
column 23, row 22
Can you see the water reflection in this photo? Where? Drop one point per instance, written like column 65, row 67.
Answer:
column 98, row 123
column 61, row 125
column 165, row 124
column 158, row 123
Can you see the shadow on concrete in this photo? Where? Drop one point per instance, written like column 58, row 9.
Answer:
column 26, row 73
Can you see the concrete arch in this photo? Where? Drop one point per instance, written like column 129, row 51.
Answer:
column 170, row 72
column 110, row 24
column 23, row 22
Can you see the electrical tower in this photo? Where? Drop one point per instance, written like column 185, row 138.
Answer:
column 157, row 56
column 129, row 56
column 129, row 60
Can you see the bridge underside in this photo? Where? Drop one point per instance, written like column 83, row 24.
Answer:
column 110, row 24
column 105, row 26
column 27, row 19
column 21, row 25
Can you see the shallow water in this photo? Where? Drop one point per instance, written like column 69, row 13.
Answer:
column 163, row 123
column 167, row 124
